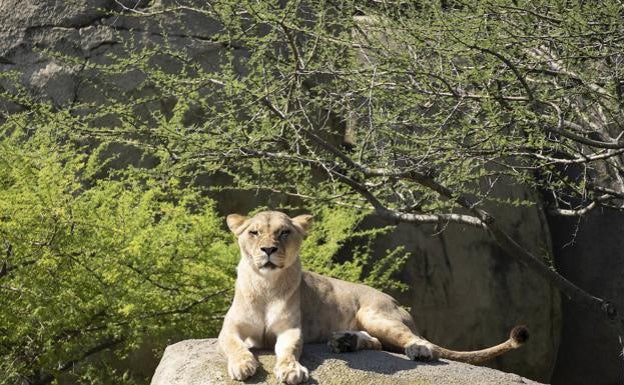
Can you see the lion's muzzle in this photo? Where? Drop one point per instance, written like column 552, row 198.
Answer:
column 269, row 265
column 269, row 250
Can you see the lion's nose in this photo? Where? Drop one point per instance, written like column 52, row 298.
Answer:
column 268, row 250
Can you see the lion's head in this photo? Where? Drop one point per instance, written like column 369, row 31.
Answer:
column 270, row 240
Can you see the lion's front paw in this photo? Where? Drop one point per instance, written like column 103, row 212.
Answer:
column 291, row 372
column 243, row 367
column 419, row 352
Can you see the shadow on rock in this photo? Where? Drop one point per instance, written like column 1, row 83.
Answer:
column 376, row 361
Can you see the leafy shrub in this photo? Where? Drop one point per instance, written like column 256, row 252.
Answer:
column 89, row 268
column 109, row 263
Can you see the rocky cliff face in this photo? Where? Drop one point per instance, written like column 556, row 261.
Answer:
column 33, row 32
column 198, row 362
column 464, row 292
column 590, row 252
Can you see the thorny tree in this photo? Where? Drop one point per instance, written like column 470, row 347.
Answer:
column 412, row 111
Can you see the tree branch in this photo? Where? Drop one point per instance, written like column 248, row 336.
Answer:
column 63, row 367
column 483, row 220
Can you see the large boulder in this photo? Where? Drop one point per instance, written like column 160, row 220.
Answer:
column 199, row 362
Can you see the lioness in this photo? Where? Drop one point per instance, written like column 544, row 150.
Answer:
column 278, row 304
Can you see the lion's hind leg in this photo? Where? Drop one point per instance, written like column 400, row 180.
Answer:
column 395, row 329
column 350, row 341
column 392, row 327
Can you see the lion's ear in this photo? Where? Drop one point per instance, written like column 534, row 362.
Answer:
column 304, row 222
column 235, row 221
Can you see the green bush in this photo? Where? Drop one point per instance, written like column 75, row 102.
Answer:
column 109, row 263
column 95, row 264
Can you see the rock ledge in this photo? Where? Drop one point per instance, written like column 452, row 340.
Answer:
column 199, row 362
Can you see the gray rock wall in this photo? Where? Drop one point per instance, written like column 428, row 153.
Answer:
column 590, row 252
column 464, row 292
column 31, row 32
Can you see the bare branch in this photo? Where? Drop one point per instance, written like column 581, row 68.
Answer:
column 557, row 68
column 579, row 159
column 430, row 218
column 581, row 139
column 581, row 211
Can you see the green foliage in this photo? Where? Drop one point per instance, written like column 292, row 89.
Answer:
column 98, row 260
column 108, row 205
column 336, row 226
column 474, row 93
column 107, row 265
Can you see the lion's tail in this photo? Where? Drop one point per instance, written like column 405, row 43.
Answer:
column 518, row 336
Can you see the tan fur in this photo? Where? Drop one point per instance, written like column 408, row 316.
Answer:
column 283, row 307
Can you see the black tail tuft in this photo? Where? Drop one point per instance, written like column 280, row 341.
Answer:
column 519, row 334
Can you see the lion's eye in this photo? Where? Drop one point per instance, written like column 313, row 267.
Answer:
column 253, row 232
column 284, row 233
